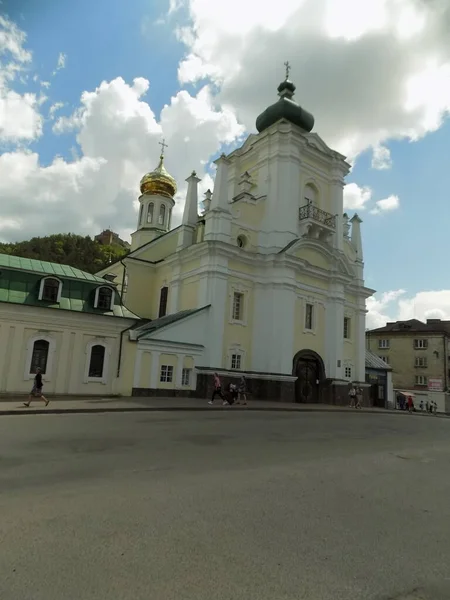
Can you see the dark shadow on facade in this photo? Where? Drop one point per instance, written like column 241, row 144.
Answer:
column 309, row 369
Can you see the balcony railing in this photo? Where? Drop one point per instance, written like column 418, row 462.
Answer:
column 309, row 211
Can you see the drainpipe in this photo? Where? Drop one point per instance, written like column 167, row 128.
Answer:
column 120, row 349
column 123, row 280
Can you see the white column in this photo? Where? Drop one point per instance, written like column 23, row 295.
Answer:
column 137, row 369
column 174, row 296
column 75, row 369
column 334, row 335
column 217, row 297
column 180, row 362
column 61, row 379
column 360, row 341
column 154, row 370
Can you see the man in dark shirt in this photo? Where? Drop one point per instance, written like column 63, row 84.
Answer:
column 36, row 392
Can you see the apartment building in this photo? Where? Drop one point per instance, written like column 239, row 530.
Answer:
column 417, row 352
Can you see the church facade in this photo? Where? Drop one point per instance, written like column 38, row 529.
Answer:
column 268, row 281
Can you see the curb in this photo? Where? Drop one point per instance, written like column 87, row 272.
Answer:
column 124, row 409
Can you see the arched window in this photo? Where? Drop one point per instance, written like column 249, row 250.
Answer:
column 162, row 214
column 170, row 219
column 150, row 213
column 50, row 289
column 97, row 361
column 39, row 356
column 163, row 301
column 104, row 298
column 140, row 214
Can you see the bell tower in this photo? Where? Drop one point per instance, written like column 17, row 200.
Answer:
column 158, row 189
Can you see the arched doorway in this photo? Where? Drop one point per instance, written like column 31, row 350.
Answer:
column 309, row 369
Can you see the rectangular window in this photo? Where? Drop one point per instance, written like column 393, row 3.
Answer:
column 186, row 376
column 238, row 306
column 421, row 380
column 348, row 372
column 420, row 344
column 309, row 316
column 236, row 361
column 421, row 361
column 385, row 359
column 346, row 328
column 166, row 375
column 383, row 343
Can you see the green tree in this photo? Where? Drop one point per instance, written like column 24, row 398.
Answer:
column 67, row 248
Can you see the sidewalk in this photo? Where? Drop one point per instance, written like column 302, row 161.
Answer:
column 14, row 406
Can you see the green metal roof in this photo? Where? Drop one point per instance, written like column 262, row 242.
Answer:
column 20, row 280
column 46, row 268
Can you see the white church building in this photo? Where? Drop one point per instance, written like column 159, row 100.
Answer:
column 268, row 281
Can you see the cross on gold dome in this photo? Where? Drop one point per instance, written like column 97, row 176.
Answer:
column 163, row 146
column 288, row 68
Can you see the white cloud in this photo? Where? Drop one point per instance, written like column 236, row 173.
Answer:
column 356, row 197
column 381, row 158
column 61, row 62
column 118, row 136
column 395, row 306
column 53, row 108
column 386, row 205
column 19, row 113
column 382, row 74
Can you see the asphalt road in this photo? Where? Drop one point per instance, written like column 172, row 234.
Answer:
column 223, row 505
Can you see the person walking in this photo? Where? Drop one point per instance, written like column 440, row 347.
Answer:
column 410, row 404
column 242, row 391
column 352, row 395
column 36, row 392
column 217, row 390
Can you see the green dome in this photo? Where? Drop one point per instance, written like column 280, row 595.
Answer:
column 287, row 109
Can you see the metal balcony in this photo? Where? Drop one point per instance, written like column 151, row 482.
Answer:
column 316, row 223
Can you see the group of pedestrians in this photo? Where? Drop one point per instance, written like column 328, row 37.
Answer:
column 406, row 402
column 237, row 394
column 356, row 395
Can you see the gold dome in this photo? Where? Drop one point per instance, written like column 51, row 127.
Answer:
column 159, row 182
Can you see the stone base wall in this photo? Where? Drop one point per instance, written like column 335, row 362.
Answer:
column 274, row 389
column 163, row 393
column 337, row 393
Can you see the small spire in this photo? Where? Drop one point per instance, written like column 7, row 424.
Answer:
column 288, row 68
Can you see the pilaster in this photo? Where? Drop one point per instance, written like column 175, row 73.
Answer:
column 179, row 371
column 154, row 370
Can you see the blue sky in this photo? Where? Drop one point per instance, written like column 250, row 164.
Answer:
column 105, row 40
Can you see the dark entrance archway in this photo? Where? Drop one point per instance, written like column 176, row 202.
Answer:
column 309, row 369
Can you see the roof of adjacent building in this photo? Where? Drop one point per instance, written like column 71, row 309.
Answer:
column 20, row 279
column 414, row 326
column 375, row 362
column 152, row 326
column 46, row 268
